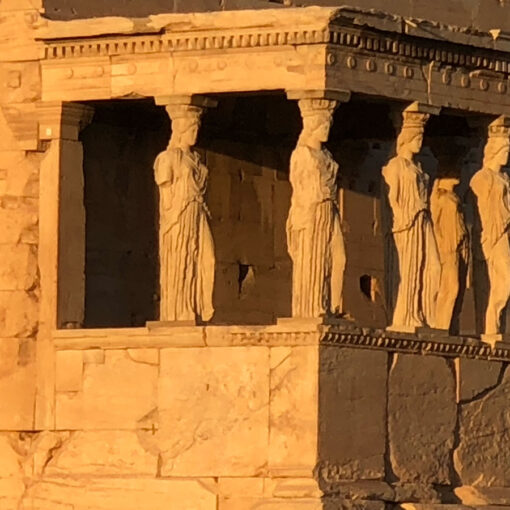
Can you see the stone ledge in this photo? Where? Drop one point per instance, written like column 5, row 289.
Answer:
column 450, row 346
column 289, row 333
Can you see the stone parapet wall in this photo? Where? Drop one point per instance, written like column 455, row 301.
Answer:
column 267, row 417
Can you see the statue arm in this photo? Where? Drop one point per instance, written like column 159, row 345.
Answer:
column 481, row 185
column 447, row 227
column 163, row 171
column 392, row 193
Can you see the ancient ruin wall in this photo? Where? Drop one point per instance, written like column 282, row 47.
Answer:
column 222, row 417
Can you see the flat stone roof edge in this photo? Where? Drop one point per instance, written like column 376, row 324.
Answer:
column 273, row 18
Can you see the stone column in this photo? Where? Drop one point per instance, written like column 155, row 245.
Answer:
column 61, row 239
column 412, row 266
column 314, row 233
column 186, row 248
column 491, row 248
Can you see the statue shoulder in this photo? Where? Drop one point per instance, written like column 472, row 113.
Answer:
column 481, row 181
column 392, row 169
column 163, row 165
column 301, row 157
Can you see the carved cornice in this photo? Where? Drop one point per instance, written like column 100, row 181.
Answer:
column 273, row 336
column 338, row 53
column 415, row 48
column 417, row 344
column 350, row 37
column 136, row 44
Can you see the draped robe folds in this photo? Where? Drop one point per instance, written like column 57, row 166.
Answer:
column 491, row 243
column 412, row 262
column 185, row 240
column 452, row 243
column 314, row 234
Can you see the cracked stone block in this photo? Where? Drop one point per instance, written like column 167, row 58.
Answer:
column 422, row 416
column 149, row 356
column 11, row 475
column 114, row 395
column 483, row 455
column 119, row 493
column 21, row 176
column 18, row 220
column 17, row 387
column 213, row 411
column 247, row 503
column 293, row 410
column 94, row 356
column 483, row 496
column 352, row 411
column 18, row 270
column 442, row 506
column 102, row 453
column 476, row 376
column 18, row 314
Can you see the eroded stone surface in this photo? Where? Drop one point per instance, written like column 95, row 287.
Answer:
column 352, row 412
column 421, row 418
column 115, row 493
column 482, row 457
column 211, row 400
column 18, row 314
column 480, row 496
column 11, row 475
column 102, row 453
column 114, row 395
column 476, row 376
column 19, row 268
column 17, row 385
column 293, row 410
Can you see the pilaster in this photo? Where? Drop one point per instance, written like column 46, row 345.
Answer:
column 61, row 239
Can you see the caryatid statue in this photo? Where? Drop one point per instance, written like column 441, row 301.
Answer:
column 453, row 247
column 412, row 264
column 491, row 248
column 186, row 249
column 314, row 234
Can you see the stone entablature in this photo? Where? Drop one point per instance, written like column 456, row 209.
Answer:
column 294, row 333
column 303, row 48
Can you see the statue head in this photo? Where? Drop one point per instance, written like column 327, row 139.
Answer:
column 317, row 117
column 410, row 138
column 447, row 182
column 186, row 122
column 497, row 148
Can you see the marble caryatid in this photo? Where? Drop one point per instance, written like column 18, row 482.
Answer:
column 491, row 248
column 314, row 234
column 453, row 247
column 186, row 246
column 412, row 262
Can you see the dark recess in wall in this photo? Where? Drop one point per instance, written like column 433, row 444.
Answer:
column 121, row 268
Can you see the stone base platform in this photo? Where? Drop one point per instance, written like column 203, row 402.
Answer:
column 290, row 416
